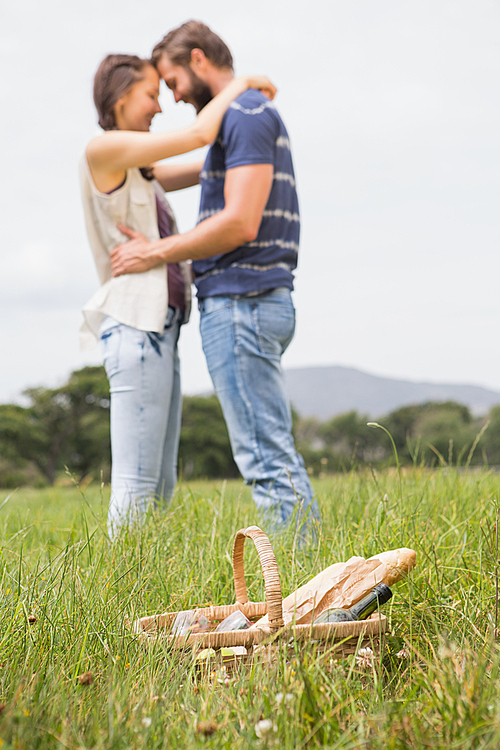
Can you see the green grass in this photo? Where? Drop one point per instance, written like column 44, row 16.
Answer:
column 57, row 565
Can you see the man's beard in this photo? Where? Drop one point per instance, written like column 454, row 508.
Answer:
column 200, row 94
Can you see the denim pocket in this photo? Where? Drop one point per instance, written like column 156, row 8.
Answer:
column 110, row 347
column 216, row 329
column 274, row 318
column 214, row 305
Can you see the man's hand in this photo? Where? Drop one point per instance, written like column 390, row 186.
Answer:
column 134, row 256
column 246, row 193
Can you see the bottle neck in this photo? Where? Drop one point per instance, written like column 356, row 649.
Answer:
column 371, row 602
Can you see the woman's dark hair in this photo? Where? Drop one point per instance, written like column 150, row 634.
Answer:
column 115, row 76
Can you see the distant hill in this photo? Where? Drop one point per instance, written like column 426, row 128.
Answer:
column 324, row 392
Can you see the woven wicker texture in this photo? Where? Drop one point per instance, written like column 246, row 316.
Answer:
column 269, row 570
column 350, row 632
column 154, row 623
column 373, row 626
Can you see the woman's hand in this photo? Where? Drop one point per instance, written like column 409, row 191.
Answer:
column 262, row 83
column 208, row 122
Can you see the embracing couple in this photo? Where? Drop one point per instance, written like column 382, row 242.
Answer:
column 243, row 252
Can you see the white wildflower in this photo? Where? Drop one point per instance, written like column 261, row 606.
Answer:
column 365, row 658
column 287, row 697
column 146, row 721
column 404, row 653
column 263, row 727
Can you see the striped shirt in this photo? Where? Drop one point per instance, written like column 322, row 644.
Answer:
column 252, row 132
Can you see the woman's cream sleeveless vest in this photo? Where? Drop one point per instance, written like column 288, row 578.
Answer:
column 139, row 300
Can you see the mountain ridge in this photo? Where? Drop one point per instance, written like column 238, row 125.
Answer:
column 325, row 391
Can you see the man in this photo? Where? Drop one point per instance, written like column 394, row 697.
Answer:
column 244, row 250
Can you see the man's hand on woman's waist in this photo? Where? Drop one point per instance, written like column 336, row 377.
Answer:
column 246, row 192
column 136, row 255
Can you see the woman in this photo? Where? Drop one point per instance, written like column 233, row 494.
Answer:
column 138, row 317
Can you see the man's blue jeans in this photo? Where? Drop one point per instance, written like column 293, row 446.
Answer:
column 243, row 340
column 144, row 380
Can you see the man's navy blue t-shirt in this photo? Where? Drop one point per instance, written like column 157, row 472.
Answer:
column 252, row 132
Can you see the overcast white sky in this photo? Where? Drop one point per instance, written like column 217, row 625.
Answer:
column 393, row 112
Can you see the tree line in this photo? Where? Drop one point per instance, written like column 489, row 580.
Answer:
column 66, row 429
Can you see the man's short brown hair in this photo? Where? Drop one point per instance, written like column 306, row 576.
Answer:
column 179, row 43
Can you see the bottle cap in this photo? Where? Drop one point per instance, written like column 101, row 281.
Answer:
column 384, row 593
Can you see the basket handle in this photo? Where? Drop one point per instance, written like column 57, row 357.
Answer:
column 270, row 572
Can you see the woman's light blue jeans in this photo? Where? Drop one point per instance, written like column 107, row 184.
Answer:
column 243, row 340
column 144, row 379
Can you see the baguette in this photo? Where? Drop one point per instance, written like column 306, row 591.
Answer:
column 343, row 585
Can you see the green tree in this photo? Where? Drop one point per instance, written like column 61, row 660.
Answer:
column 88, row 393
column 204, row 449
column 73, row 422
column 489, row 448
column 422, row 431
column 446, row 428
column 21, row 443
column 50, row 412
column 20, row 435
column 401, row 424
column 349, row 437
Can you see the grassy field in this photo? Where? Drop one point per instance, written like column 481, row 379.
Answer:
column 66, row 592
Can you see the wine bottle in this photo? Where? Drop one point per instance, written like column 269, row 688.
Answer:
column 360, row 611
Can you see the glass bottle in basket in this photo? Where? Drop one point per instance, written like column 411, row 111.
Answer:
column 190, row 621
column 360, row 611
column 235, row 621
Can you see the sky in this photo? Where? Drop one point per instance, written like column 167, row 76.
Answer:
column 394, row 117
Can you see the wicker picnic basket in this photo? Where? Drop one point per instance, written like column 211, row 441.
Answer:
column 339, row 639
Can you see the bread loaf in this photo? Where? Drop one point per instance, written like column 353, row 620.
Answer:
column 343, row 585
column 398, row 563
